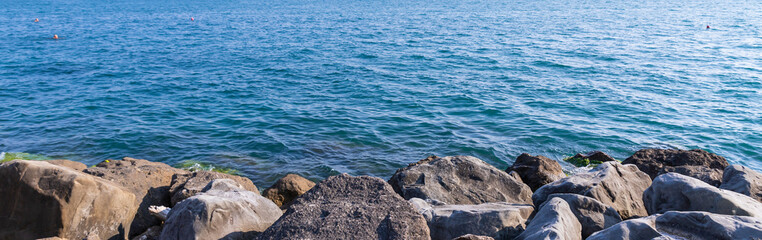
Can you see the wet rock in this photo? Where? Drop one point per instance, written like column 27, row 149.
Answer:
column 341, row 206
column 149, row 181
column 77, row 166
column 684, row 225
column 611, row 183
column 743, row 180
column 223, row 208
column 536, row 171
column 595, row 156
column 458, row 180
column 592, row 214
column 286, row 189
column 677, row 192
column 707, row 167
column 186, row 185
column 555, row 220
column 497, row 220
column 39, row 199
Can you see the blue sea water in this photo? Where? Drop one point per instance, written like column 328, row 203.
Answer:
column 365, row 87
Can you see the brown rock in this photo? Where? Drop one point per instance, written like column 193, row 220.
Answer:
column 286, row 189
column 78, row 166
column 537, row 171
column 40, row 200
column 705, row 166
column 473, row 237
column 186, row 185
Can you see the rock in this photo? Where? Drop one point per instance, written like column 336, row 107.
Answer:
column 677, row 192
column 616, row 185
column 595, row 156
column 223, row 208
column 343, row 206
column 77, row 166
column 473, row 237
column 151, row 233
column 516, row 176
column 458, row 180
column 696, row 163
column 537, row 171
column 186, row 185
column 286, row 189
column 39, row 199
column 684, row 225
column 149, row 181
column 555, row 220
column 498, row 220
column 592, row 214
column 743, row 180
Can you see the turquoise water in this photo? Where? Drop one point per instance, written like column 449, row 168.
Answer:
column 365, row 87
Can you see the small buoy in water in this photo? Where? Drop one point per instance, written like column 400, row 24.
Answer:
column 36, row 20
column 707, row 26
column 193, row 19
column 55, row 36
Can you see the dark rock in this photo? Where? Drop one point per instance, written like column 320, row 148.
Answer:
column 151, row 233
column 616, row 185
column 77, row 166
column 497, row 220
column 286, row 189
column 149, row 181
column 537, row 171
column 684, row 225
column 743, row 180
column 595, row 156
column 592, row 214
column 677, row 192
column 186, row 185
column 696, row 163
column 223, row 208
column 555, row 220
column 459, row 180
column 39, row 199
column 343, row 206
column 473, row 237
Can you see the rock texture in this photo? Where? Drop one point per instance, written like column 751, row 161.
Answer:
column 611, row 183
column 473, row 237
column 223, row 208
column 39, row 199
column 743, row 180
column 458, row 180
column 684, row 225
column 596, row 156
column 149, row 181
column 77, row 166
column 186, row 185
column 554, row 221
column 343, row 206
column 677, row 192
column 592, row 214
column 537, row 171
column 497, row 220
column 707, row 167
column 286, row 189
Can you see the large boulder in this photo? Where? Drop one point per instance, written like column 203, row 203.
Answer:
column 677, row 192
column 684, row 225
column 286, row 189
column 149, row 181
column 592, row 214
column 188, row 184
column 459, row 180
column 537, row 171
column 555, row 220
column 498, row 220
column 595, row 156
column 743, row 180
column 616, row 185
column 77, row 166
column 343, row 206
column 39, row 199
column 696, row 163
column 222, row 209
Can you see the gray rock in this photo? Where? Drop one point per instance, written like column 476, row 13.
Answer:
column 677, row 192
column 497, row 220
column 611, row 183
column 473, row 237
column 592, row 214
column 186, row 185
column 223, row 208
column 537, row 171
column 743, row 180
column 555, row 220
column 707, row 167
column 684, row 225
column 459, row 180
column 343, row 206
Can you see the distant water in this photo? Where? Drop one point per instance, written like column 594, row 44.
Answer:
column 365, row 87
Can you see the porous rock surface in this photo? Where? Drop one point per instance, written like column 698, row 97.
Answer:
column 536, row 171
column 700, row 164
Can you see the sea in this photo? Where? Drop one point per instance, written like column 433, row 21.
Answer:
column 323, row 87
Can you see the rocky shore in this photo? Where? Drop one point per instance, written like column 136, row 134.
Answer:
column 655, row 193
